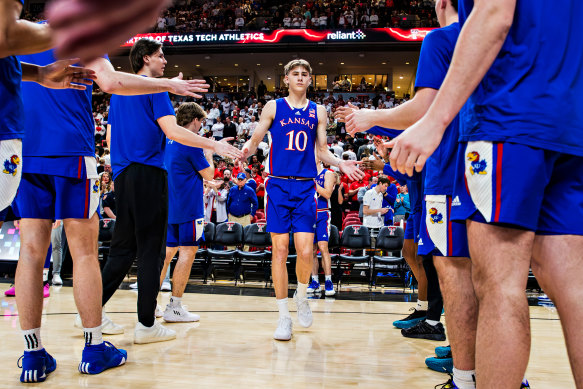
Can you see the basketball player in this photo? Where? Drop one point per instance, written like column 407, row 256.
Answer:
column 187, row 167
column 512, row 218
column 139, row 125
column 297, row 131
column 59, row 182
column 325, row 181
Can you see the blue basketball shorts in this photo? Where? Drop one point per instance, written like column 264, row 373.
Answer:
column 44, row 196
column 10, row 170
column 413, row 226
column 322, row 227
column 290, row 205
column 185, row 234
column 438, row 235
column 519, row 186
column 3, row 214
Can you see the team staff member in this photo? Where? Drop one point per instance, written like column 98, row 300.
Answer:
column 139, row 125
column 242, row 201
column 187, row 167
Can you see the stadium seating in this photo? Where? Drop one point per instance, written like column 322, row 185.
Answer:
column 390, row 241
column 357, row 239
column 255, row 236
column 226, row 234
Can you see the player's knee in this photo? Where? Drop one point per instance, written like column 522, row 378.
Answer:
column 305, row 252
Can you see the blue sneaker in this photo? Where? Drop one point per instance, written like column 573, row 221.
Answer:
column 314, row 286
column 443, row 351
column 448, row 385
column 441, row 365
column 525, row 385
column 101, row 357
column 36, row 365
column 411, row 320
column 329, row 287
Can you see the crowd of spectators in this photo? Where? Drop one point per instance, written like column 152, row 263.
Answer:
column 322, row 14
column 237, row 116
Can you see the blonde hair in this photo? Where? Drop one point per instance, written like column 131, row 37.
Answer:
column 295, row 63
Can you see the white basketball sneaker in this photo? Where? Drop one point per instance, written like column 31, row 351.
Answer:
column 108, row 327
column 284, row 329
column 159, row 311
column 166, row 286
column 177, row 314
column 305, row 317
column 156, row 333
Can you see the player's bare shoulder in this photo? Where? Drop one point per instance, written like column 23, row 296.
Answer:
column 268, row 112
column 322, row 113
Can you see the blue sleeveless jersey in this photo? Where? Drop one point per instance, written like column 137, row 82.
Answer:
column 292, row 141
column 323, row 203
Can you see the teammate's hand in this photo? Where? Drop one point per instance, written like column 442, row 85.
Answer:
column 244, row 154
column 226, row 150
column 381, row 147
column 62, row 75
column 412, row 148
column 181, row 87
column 384, row 210
column 359, row 120
column 342, row 112
column 90, row 28
column 350, row 168
column 377, row 165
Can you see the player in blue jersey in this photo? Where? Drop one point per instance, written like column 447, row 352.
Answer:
column 520, row 155
column 187, row 168
column 59, row 182
column 297, row 132
column 325, row 181
column 139, row 128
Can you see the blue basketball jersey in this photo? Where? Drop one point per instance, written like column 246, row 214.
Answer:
column 11, row 110
column 323, row 203
column 292, row 140
column 533, row 92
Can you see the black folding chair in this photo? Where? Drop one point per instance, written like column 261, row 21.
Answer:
column 390, row 241
column 355, row 238
column 226, row 234
column 255, row 236
column 201, row 261
column 106, row 227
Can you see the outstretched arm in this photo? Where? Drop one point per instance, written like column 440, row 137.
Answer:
column 18, row 37
column 265, row 121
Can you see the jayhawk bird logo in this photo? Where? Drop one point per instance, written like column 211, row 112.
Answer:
column 477, row 166
column 96, row 186
column 11, row 165
column 436, row 217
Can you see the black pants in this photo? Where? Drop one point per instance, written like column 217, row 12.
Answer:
column 434, row 299
column 141, row 195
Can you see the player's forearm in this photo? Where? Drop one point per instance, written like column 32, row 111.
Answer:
column 478, row 45
column 22, row 37
column 109, row 212
column 126, row 84
column 401, row 117
column 327, row 157
column 30, row 72
column 187, row 138
column 326, row 193
column 252, row 144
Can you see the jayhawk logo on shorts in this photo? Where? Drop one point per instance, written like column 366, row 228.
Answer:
column 96, row 186
column 436, row 217
column 477, row 166
column 11, row 165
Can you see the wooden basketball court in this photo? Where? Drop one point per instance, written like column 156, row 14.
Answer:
column 351, row 344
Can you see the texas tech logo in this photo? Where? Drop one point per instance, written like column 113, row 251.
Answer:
column 260, row 227
column 356, row 229
column 392, row 230
column 106, row 223
column 230, row 226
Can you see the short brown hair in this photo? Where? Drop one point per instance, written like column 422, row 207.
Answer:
column 384, row 180
column 295, row 63
column 187, row 112
column 140, row 49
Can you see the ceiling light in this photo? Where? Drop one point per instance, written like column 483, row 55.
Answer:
column 207, row 57
column 119, row 67
column 320, row 63
column 341, row 63
column 224, row 79
column 175, row 66
column 398, row 87
column 236, row 64
column 401, row 77
column 197, row 66
column 240, row 79
column 406, row 63
column 280, row 64
column 269, row 78
column 383, row 63
column 258, row 64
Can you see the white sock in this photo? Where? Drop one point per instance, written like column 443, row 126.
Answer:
column 45, row 275
column 302, row 291
column 432, row 323
column 32, row 340
column 422, row 305
column 464, row 379
column 93, row 336
column 329, row 278
column 175, row 301
column 315, row 279
column 524, row 380
column 283, row 307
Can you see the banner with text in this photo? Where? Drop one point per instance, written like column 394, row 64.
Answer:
column 294, row 36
